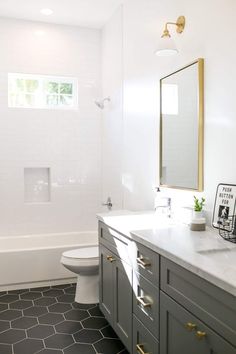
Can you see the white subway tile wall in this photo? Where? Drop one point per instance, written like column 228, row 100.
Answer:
column 66, row 142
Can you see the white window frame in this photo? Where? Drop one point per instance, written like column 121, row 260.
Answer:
column 41, row 99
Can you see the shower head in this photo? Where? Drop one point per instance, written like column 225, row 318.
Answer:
column 101, row 103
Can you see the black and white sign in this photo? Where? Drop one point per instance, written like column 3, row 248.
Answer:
column 224, row 205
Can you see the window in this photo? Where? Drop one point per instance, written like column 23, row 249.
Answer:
column 36, row 91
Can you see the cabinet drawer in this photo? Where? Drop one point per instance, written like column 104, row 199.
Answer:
column 117, row 243
column 143, row 340
column 183, row 333
column 146, row 262
column 146, row 303
column 214, row 306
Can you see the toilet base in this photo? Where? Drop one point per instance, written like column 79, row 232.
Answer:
column 87, row 289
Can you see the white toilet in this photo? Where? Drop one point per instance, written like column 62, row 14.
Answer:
column 84, row 262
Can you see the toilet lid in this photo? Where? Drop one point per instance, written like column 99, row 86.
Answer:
column 83, row 252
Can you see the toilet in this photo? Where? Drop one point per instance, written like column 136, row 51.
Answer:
column 84, row 262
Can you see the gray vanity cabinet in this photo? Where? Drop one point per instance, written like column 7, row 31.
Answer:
column 183, row 333
column 116, row 294
column 156, row 306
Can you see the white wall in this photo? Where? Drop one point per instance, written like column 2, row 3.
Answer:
column 112, row 120
column 68, row 142
column 209, row 33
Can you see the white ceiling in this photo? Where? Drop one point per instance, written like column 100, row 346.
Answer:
column 86, row 13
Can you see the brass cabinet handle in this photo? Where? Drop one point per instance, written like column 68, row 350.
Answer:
column 140, row 349
column 142, row 262
column 200, row 334
column 190, row 326
column 140, row 299
column 111, row 259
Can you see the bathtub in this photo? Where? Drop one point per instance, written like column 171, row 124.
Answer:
column 34, row 260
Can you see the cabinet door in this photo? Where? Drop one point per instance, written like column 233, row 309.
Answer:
column 143, row 340
column 106, row 293
column 183, row 333
column 122, row 273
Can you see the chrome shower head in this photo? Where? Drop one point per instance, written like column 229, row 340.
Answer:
column 101, row 103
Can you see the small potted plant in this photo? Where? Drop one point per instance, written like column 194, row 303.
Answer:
column 198, row 222
column 198, row 207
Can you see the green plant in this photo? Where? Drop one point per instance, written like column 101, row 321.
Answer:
column 198, row 205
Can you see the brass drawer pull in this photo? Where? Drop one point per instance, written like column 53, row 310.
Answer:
column 200, row 334
column 190, row 326
column 142, row 262
column 140, row 300
column 140, row 349
column 111, row 259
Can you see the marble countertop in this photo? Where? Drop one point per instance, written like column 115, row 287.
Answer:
column 204, row 253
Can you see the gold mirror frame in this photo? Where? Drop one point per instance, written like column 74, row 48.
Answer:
column 200, row 63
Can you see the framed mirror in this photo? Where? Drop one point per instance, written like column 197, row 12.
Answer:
column 181, row 127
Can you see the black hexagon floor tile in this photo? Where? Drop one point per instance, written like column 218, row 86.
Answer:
column 53, row 324
column 59, row 341
column 67, row 298
column 95, row 323
column 53, row 293
column 61, row 286
column 28, row 346
column 3, row 293
column 60, row 308
column 40, row 289
column 18, row 291
column 68, row 327
column 45, row 301
column 76, row 305
column 12, row 336
column 70, row 290
column 10, row 315
column 3, row 307
column 24, row 322
column 51, row 318
column 50, row 351
column 31, row 295
column 40, row 331
column 80, row 348
column 96, row 312
column 76, row 315
column 35, row 311
column 5, row 349
column 108, row 332
column 88, row 336
column 21, row 304
column 109, row 346
column 4, row 325
column 8, row 298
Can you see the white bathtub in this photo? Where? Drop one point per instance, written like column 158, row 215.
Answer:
column 31, row 261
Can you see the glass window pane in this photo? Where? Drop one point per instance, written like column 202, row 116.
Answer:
column 52, row 100
column 66, row 100
column 30, row 100
column 66, row 88
column 52, row 87
column 20, row 84
column 31, row 85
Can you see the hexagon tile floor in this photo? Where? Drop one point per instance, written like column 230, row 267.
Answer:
column 48, row 321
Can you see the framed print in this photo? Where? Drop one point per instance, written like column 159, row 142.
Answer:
column 224, row 208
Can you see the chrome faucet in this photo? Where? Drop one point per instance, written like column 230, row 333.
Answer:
column 163, row 203
column 166, row 205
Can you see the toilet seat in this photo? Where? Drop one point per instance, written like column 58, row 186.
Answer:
column 83, row 257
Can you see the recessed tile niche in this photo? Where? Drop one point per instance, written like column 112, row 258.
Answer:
column 37, row 184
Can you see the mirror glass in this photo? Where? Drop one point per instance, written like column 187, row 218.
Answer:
column 181, row 133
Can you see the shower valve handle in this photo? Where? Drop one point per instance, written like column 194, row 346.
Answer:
column 108, row 203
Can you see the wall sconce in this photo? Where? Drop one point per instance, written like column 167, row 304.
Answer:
column 167, row 45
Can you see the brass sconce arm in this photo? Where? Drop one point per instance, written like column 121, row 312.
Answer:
column 180, row 24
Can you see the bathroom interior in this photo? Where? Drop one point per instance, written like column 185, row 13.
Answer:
column 118, row 177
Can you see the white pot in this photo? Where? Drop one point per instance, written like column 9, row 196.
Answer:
column 198, row 214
